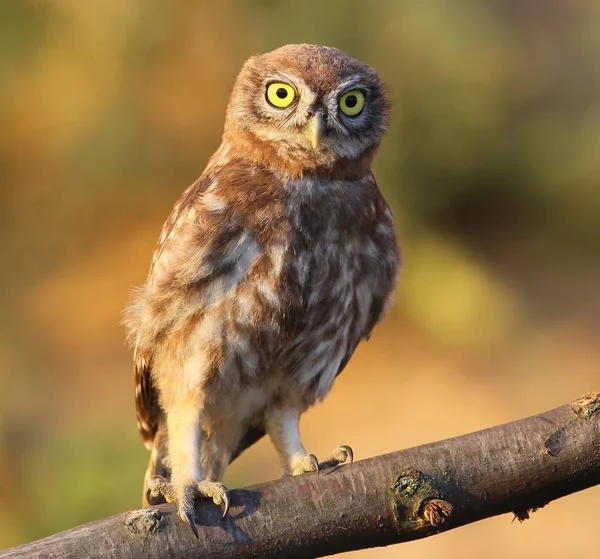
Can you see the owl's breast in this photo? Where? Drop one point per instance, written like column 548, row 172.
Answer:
column 342, row 270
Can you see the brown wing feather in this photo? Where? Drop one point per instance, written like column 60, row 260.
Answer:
column 389, row 278
column 146, row 398
column 376, row 313
column 147, row 408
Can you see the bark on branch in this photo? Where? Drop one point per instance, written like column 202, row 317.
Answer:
column 410, row 494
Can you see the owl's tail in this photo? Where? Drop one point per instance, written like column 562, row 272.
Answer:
column 156, row 465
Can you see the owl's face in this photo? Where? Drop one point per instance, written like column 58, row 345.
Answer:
column 309, row 104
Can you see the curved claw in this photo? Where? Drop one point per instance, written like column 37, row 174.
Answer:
column 151, row 492
column 314, row 462
column 225, row 504
column 349, row 453
column 192, row 522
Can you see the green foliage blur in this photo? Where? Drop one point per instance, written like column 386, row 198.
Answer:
column 109, row 109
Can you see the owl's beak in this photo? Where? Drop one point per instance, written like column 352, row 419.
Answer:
column 314, row 129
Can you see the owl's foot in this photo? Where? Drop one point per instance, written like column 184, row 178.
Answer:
column 184, row 496
column 340, row 455
column 304, row 465
column 215, row 491
column 309, row 463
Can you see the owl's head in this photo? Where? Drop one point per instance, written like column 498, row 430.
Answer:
column 303, row 107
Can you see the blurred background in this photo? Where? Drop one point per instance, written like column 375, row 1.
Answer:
column 109, row 109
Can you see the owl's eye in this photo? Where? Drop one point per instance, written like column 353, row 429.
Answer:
column 352, row 102
column 280, row 95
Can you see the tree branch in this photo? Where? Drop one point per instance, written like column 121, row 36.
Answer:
column 410, row 494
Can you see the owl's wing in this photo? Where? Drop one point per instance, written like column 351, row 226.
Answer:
column 385, row 238
column 148, row 410
column 376, row 312
column 146, row 400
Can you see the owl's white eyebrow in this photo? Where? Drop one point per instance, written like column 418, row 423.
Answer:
column 354, row 82
column 288, row 78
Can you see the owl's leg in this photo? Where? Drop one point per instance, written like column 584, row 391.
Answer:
column 186, row 478
column 282, row 427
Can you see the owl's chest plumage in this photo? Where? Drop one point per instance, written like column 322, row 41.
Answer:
column 338, row 270
column 320, row 266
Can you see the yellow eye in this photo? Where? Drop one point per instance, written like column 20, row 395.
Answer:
column 352, row 103
column 280, row 95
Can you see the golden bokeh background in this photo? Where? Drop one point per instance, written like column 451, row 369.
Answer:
column 109, row 109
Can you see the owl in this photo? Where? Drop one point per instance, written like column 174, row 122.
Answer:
column 270, row 270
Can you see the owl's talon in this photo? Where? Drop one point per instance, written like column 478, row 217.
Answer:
column 305, row 465
column 315, row 462
column 225, row 505
column 160, row 487
column 189, row 517
column 340, row 455
column 345, row 454
column 215, row 491
column 350, row 453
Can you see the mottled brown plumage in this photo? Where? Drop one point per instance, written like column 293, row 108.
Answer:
column 269, row 271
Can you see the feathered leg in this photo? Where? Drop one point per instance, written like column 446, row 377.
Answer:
column 283, row 428
column 183, row 428
column 156, row 465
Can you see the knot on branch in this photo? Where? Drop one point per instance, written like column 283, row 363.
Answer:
column 417, row 499
column 588, row 406
column 143, row 523
column 436, row 511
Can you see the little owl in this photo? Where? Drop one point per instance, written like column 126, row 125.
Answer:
column 270, row 270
